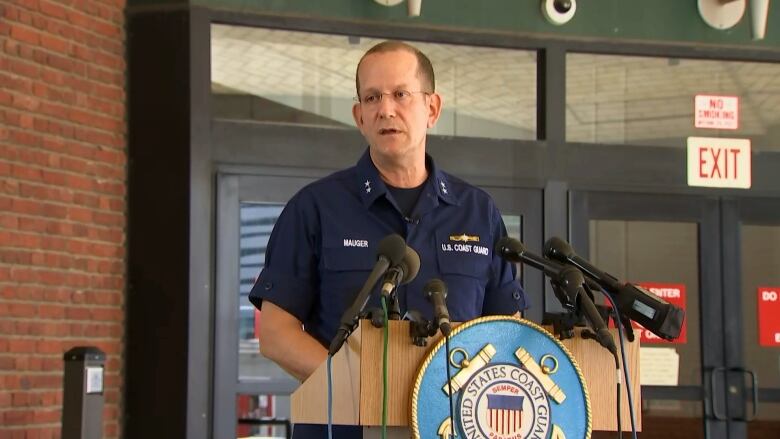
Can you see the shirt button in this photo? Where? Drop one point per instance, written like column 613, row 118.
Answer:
column 516, row 295
column 268, row 285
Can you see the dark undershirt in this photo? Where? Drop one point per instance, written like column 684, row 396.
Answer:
column 406, row 198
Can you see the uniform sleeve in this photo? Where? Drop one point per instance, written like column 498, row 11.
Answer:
column 503, row 294
column 289, row 278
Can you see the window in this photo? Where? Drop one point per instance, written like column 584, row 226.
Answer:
column 650, row 101
column 304, row 78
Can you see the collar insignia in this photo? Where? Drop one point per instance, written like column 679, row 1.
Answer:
column 443, row 187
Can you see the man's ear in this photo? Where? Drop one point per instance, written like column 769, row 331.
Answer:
column 434, row 109
column 357, row 116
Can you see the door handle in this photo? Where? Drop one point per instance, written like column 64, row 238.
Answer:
column 713, row 395
column 754, row 381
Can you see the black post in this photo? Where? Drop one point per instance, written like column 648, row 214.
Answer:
column 82, row 401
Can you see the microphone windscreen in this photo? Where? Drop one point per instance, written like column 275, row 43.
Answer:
column 411, row 265
column 511, row 244
column 435, row 285
column 392, row 247
column 557, row 248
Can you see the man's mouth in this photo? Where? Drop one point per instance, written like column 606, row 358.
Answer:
column 386, row 131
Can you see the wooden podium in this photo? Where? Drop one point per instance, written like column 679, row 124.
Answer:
column 357, row 381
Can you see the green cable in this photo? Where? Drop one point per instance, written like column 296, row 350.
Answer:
column 384, row 370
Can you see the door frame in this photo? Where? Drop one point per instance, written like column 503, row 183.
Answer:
column 232, row 189
column 735, row 212
column 587, row 205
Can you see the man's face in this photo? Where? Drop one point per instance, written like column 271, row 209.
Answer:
column 394, row 128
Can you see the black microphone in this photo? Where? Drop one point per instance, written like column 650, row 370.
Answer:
column 514, row 251
column 436, row 293
column 572, row 282
column 390, row 252
column 401, row 273
column 655, row 314
column 568, row 278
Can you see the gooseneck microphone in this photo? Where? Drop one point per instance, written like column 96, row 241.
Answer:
column 436, row 293
column 569, row 279
column 401, row 273
column 390, row 252
column 655, row 314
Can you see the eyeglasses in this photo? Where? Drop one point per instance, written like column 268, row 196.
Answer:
column 401, row 97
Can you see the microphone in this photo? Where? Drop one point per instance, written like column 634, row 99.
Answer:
column 401, row 273
column 436, row 293
column 514, row 251
column 390, row 252
column 655, row 314
column 569, row 279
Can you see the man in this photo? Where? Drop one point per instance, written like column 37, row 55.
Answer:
column 324, row 244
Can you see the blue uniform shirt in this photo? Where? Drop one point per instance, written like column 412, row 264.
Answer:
column 323, row 247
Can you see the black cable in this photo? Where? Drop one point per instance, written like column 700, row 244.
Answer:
column 618, row 379
column 449, row 384
column 619, row 414
column 625, row 364
column 617, row 386
column 330, row 396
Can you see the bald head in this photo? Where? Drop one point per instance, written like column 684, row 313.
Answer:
column 424, row 66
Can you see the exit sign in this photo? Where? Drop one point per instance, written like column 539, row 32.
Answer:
column 719, row 162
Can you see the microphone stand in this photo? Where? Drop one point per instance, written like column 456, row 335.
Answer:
column 563, row 323
column 621, row 319
column 351, row 316
column 393, row 308
column 420, row 328
column 396, row 277
column 573, row 293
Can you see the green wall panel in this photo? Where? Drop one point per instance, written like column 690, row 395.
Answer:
column 626, row 20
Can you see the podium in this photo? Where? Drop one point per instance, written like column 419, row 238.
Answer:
column 357, row 381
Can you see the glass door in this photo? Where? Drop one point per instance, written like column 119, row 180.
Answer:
column 521, row 211
column 251, row 394
column 669, row 245
column 751, row 234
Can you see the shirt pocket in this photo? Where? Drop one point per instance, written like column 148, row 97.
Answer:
column 344, row 271
column 348, row 259
column 465, row 269
column 462, row 258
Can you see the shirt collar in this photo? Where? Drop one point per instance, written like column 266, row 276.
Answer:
column 440, row 182
column 371, row 185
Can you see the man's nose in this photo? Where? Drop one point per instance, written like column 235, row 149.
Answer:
column 386, row 106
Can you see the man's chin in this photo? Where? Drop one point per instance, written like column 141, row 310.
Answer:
column 391, row 149
column 390, row 146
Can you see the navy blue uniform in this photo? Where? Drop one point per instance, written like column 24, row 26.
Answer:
column 324, row 244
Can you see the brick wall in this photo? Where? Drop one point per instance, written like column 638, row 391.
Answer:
column 62, row 203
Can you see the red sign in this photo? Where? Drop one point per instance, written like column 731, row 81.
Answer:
column 717, row 112
column 769, row 316
column 672, row 293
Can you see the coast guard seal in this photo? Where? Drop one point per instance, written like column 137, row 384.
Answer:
column 511, row 380
column 496, row 398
